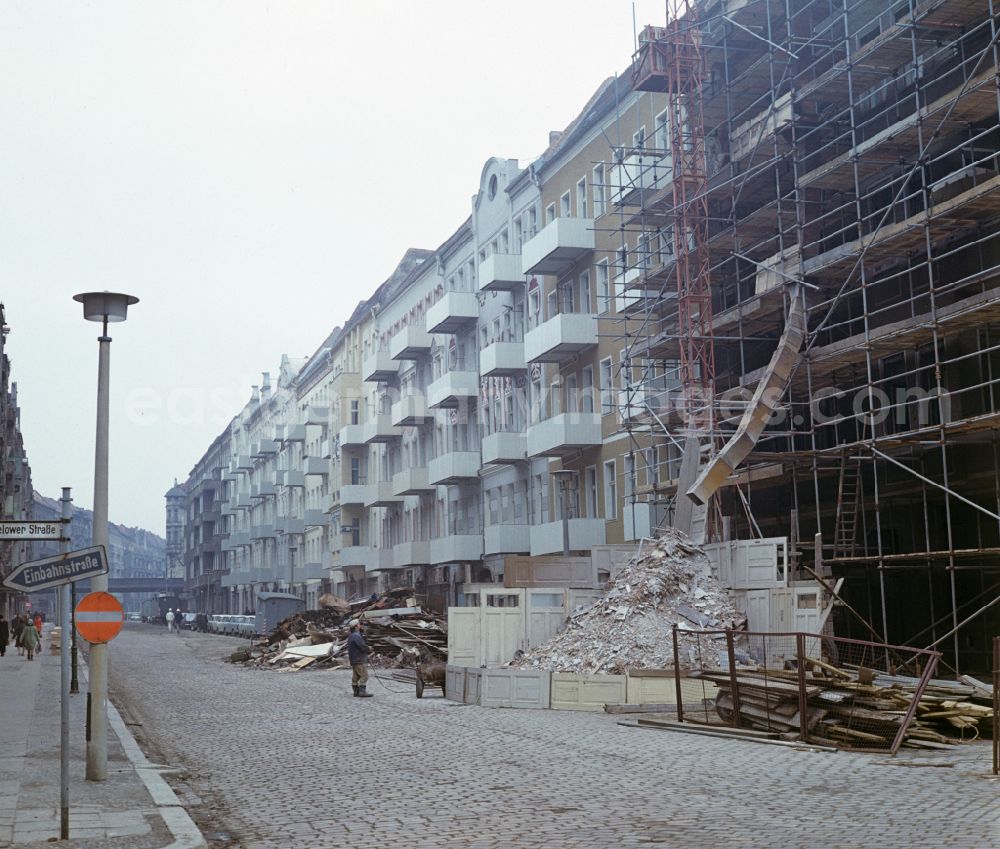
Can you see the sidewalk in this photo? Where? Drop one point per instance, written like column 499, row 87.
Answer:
column 133, row 809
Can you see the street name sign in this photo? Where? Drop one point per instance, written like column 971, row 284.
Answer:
column 99, row 617
column 62, row 569
column 31, row 530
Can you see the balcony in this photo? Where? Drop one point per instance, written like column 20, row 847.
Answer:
column 357, row 494
column 316, row 415
column 507, row 539
column 360, row 555
column 381, row 494
column 410, row 343
column 452, row 388
column 755, row 136
column 380, row 368
column 454, row 467
column 316, row 570
column 243, row 501
column 294, row 477
column 504, row 447
column 315, row 518
column 457, row 548
column 563, row 434
column 316, row 466
column 410, row 410
column 244, row 462
column 558, row 246
column 263, row 490
column 352, row 436
column 267, row 447
column 502, row 359
column 412, row 481
column 453, row 312
column 415, row 553
column 561, row 337
column 294, row 433
column 262, row 531
column 584, row 534
column 640, row 176
column 380, row 429
column 500, row 272
column 291, row 525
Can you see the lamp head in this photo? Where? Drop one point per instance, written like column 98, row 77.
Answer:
column 105, row 306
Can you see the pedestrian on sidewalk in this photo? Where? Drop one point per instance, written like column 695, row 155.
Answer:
column 170, row 619
column 30, row 640
column 4, row 634
column 17, row 629
column 38, row 624
column 357, row 652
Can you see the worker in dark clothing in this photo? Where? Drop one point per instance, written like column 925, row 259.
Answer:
column 357, row 652
column 4, row 635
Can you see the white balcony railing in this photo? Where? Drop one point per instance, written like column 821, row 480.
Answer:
column 452, row 312
column 564, row 434
column 456, row 548
column 413, row 553
column 454, row 467
column 500, row 272
column 410, row 343
column 410, row 410
column 381, row 495
column 411, row 481
column 584, row 534
column 502, row 359
column 507, row 539
column 560, row 244
column 452, row 388
column 563, row 336
column 381, row 429
column 380, row 367
column 504, row 447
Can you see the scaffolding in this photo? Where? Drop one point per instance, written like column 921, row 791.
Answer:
column 815, row 280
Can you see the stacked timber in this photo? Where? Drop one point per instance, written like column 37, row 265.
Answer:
column 852, row 708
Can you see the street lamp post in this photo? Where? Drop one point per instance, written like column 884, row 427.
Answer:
column 565, row 478
column 104, row 307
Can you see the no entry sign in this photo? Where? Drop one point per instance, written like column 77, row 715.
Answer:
column 99, row 617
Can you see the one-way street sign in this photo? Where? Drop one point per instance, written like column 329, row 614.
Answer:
column 61, row 569
column 31, row 530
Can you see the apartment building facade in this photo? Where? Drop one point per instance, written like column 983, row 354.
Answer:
column 16, row 493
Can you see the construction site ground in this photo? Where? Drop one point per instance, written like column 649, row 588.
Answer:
column 293, row 760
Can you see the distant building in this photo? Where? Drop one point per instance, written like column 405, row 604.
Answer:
column 15, row 479
column 175, row 529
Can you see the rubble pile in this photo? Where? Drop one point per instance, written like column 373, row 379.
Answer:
column 399, row 630
column 668, row 582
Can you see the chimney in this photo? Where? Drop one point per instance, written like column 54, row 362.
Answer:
column 554, row 136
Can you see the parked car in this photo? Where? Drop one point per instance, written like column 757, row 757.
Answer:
column 187, row 620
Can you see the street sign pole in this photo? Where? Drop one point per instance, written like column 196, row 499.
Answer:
column 65, row 615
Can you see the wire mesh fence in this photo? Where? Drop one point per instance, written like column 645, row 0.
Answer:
column 840, row 692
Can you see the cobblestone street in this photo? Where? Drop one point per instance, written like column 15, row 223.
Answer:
column 292, row 760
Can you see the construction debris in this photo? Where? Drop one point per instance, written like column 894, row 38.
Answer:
column 399, row 630
column 852, row 708
column 668, row 582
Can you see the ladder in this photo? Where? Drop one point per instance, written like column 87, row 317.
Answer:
column 848, row 496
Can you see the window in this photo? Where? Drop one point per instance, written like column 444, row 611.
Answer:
column 660, row 139
column 587, row 398
column 550, row 213
column 565, row 211
column 518, row 234
column 581, row 198
column 585, row 291
column 629, row 488
column 590, row 493
column 639, row 139
column 355, row 411
column 598, row 192
column 610, row 491
column 603, row 289
column 607, row 381
column 572, row 397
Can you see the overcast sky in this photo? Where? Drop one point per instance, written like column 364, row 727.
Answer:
column 249, row 170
